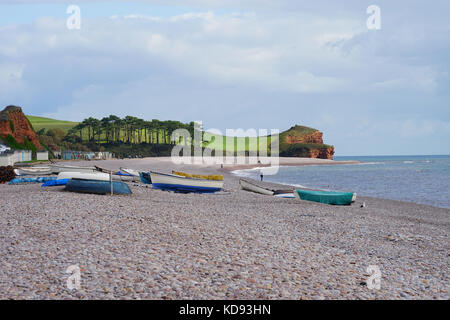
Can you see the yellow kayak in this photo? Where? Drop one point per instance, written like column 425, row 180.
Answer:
column 199, row 176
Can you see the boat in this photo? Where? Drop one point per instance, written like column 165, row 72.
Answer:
column 247, row 185
column 100, row 176
column 55, row 183
column 327, row 197
column 130, row 171
column 172, row 182
column 199, row 176
column 145, row 177
column 31, row 180
column 97, row 186
column 289, row 195
column 33, row 171
column 57, row 168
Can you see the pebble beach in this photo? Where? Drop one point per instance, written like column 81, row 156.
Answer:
column 230, row 245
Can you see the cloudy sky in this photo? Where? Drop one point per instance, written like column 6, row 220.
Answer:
column 239, row 64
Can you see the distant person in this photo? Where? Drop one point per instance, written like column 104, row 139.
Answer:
column 261, row 175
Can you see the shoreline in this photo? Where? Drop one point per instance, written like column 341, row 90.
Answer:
column 230, row 245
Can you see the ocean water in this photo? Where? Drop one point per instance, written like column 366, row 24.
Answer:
column 418, row 179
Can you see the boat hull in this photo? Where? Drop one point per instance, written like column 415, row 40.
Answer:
column 83, row 175
column 181, row 184
column 246, row 185
column 58, row 168
column 33, row 171
column 97, row 187
column 326, row 197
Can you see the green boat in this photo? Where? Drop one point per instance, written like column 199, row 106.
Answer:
column 327, row 197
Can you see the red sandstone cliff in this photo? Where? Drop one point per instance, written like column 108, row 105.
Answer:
column 13, row 122
column 300, row 141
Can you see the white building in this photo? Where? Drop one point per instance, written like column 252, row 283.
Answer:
column 11, row 157
column 42, row 155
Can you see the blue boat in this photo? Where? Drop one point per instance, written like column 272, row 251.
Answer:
column 97, row 186
column 327, row 197
column 171, row 182
column 31, row 180
column 55, row 183
column 145, row 177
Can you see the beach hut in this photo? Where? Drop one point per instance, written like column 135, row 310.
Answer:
column 42, row 155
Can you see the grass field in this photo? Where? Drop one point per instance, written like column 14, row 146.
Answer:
column 47, row 123
column 218, row 142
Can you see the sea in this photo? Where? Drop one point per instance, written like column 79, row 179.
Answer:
column 418, row 179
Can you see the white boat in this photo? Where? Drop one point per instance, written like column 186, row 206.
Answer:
column 100, row 176
column 246, row 185
column 285, row 195
column 133, row 172
column 33, row 171
column 176, row 183
column 57, row 168
column 84, row 175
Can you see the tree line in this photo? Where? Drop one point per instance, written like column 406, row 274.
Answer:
column 129, row 129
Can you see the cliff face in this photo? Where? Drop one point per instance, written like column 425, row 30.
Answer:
column 13, row 122
column 301, row 141
column 322, row 153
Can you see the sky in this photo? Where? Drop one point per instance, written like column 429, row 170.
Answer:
column 239, row 64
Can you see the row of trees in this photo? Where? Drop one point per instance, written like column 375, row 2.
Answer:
column 128, row 129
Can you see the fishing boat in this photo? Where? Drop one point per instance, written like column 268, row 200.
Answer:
column 118, row 175
column 57, row 168
column 100, row 176
column 252, row 187
column 130, row 171
column 33, row 171
column 327, row 197
column 182, row 184
column 97, row 187
column 199, row 176
column 247, row 185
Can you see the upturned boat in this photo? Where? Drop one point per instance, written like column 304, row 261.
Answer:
column 182, row 184
column 252, row 187
column 33, row 171
column 327, row 197
column 247, row 185
column 57, row 168
column 100, row 176
column 97, row 187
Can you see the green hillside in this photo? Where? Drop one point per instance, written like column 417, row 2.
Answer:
column 118, row 132
column 297, row 131
column 47, row 123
